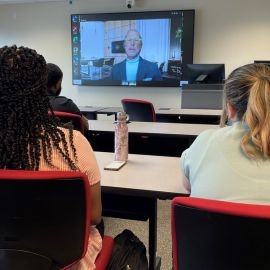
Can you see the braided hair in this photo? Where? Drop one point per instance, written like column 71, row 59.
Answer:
column 26, row 128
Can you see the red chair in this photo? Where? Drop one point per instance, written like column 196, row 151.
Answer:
column 218, row 235
column 139, row 110
column 74, row 119
column 45, row 220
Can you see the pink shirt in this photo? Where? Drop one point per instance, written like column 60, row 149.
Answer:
column 86, row 163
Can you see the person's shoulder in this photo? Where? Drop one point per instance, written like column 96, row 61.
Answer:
column 64, row 104
column 64, row 98
column 59, row 99
column 76, row 133
column 211, row 134
column 147, row 62
column 216, row 130
column 204, row 140
column 214, row 135
column 52, row 97
column 119, row 64
column 78, row 137
column 68, row 100
column 150, row 66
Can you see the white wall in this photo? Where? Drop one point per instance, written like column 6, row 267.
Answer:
column 234, row 32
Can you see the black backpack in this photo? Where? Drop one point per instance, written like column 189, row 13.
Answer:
column 129, row 253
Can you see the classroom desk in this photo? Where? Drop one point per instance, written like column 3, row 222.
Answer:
column 179, row 111
column 110, row 110
column 90, row 112
column 151, row 138
column 192, row 116
column 133, row 191
column 171, row 115
column 152, row 127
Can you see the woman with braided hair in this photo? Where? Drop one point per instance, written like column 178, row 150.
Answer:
column 233, row 163
column 30, row 139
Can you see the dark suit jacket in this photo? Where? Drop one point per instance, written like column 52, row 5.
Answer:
column 147, row 71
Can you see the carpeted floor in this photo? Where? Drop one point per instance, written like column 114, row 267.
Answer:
column 113, row 226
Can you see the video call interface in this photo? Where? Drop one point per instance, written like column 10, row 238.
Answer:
column 132, row 49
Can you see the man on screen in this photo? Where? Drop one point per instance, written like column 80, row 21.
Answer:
column 134, row 67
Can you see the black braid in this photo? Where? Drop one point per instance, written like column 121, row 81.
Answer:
column 26, row 128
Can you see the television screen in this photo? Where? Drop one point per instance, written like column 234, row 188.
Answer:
column 205, row 73
column 133, row 48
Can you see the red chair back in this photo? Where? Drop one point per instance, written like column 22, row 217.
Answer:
column 45, row 219
column 210, row 234
column 74, row 119
column 139, row 110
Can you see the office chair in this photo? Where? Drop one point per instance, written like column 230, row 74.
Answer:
column 109, row 61
column 139, row 110
column 161, row 66
column 45, row 220
column 70, row 118
column 209, row 234
column 98, row 64
column 107, row 67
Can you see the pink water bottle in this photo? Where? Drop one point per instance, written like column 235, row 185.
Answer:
column 121, row 137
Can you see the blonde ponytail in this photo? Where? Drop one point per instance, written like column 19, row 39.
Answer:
column 247, row 89
column 256, row 143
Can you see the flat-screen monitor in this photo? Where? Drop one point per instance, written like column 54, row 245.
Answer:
column 205, row 73
column 132, row 49
column 265, row 62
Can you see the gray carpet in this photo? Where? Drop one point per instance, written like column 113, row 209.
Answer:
column 113, row 226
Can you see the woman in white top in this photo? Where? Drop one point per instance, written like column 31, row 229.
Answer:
column 233, row 163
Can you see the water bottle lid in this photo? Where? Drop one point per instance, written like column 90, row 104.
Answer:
column 122, row 116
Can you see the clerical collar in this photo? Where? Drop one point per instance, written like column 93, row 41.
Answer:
column 134, row 60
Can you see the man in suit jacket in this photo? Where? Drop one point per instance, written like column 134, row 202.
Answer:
column 134, row 67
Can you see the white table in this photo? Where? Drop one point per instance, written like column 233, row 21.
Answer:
column 92, row 112
column 157, row 174
column 132, row 192
column 204, row 112
column 151, row 138
column 153, row 127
